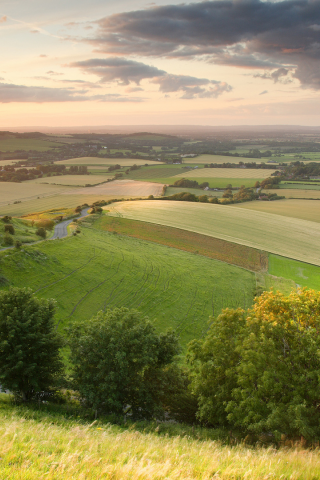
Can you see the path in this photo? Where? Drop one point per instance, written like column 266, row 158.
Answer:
column 61, row 231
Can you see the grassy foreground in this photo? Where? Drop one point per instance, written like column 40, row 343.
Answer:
column 52, row 447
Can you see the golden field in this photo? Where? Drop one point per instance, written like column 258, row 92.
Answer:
column 70, row 180
column 227, row 173
column 122, row 188
column 123, row 162
column 289, row 237
column 303, row 209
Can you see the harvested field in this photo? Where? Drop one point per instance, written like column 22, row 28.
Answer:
column 232, row 253
column 123, row 162
column 228, row 173
column 203, row 159
column 290, row 237
column 71, row 180
column 122, row 188
column 9, row 162
column 15, row 192
column 304, row 209
column 53, row 201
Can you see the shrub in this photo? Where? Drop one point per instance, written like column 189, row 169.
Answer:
column 18, row 244
column 9, row 229
column 6, row 219
column 41, row 232
column 8, row 240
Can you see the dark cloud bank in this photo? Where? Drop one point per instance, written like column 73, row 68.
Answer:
column 246, row 33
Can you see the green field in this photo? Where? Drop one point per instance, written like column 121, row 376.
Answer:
column 98, row 270
column 203, row 159
column 302, row 274
column 233, row 173
column 195, row 191
column 99, row 161
column 13, row 144
column 299, row 185
column 290, row 237
column 296, row 208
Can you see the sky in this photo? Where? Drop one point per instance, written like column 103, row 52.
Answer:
column 125, row 62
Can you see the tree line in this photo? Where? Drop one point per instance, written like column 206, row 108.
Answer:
column 256, row 371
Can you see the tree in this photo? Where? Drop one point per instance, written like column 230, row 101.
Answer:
column 213, row 362
column 119, row 360
column 9, row 229
column 29, row 344
column 278, row 376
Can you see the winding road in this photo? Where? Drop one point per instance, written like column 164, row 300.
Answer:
column 60, row 230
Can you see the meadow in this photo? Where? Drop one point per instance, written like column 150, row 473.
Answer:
column 295, row 192
column 45, row 445
column 97, row 270
column 24, row 232
column 302, row 274
column 290, row 237
column 303, row 209
column 70, row 180
column 13, row 144
column 228, row 173
column 100, row 161
column 122, row 188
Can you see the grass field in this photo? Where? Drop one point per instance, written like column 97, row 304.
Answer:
column 303, row 209
column 13, row 192
column 203, row 159
column 44, row 444
column 156, row 172
column 290, row 237
column 98, row 270
column 300, row 185
column 228, row 173
column 70, row 180
column 303, row 274
column 123, row 162
column 24, row 232
column 13, row 144
column 122, row 188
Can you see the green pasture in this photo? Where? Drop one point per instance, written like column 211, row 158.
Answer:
column 303, row 274
column 98, row 270
column 13, row 144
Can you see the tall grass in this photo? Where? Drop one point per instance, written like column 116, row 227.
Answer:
column 34, row 449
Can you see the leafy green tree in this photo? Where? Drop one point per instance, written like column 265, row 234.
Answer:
column 213, row 362
column 119, row 360
column 9, row 229
column 29, row 344
column 278, row 376
column 41, row 232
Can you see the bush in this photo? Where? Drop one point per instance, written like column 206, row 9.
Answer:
column 8, row 240
column 18, row 244
column 41, row 232
column 6, row 219
column 9, row 229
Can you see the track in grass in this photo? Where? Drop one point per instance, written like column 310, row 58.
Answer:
column 290, row 237
column 99, row 270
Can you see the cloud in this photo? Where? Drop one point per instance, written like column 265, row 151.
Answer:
column 277, row 75
column 10, row 93
column 43, row 55
column 51, row 72
column 34, row 31
column 241, row 33
column 3, row 19
column 118, row 69
column 126, row 72
column 264, row 92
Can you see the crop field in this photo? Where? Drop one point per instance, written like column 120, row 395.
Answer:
column 49, row 445
column 298, row 186
column 13, row 144
column 228, row 173
column 303, row 209
column 70, row 180
column 9, row 162
column 122, row 188
column 53, row 201
column 203, row 159
column 123, row 162
column 228, row 252
column 295, row 193
column 303, row 274
column 290, row 237
column 149, row 173
column 15, row 192
column 97, row 270
column 195, row 191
